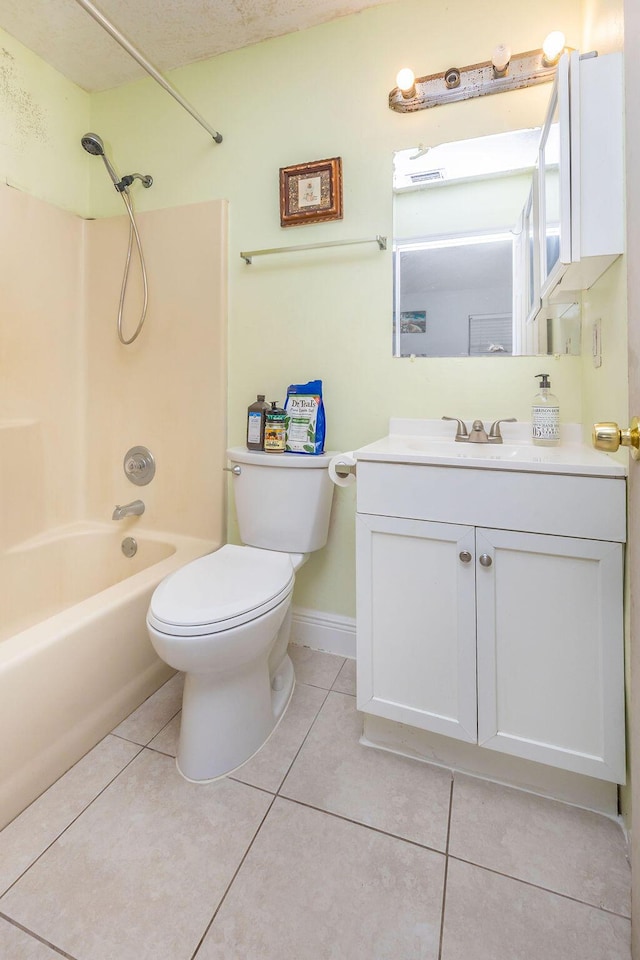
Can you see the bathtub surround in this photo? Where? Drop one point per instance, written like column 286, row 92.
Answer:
column 75, row 655
column 168, row 389
column 41, row 332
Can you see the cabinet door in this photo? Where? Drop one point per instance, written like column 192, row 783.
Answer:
column 416, row 623
column 554, row 184
column 550, row 650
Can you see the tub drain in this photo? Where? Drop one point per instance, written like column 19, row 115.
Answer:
column 129, row 547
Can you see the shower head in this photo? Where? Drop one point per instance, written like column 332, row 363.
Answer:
column 93, row 144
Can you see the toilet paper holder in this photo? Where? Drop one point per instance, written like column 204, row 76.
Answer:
column 344, row 470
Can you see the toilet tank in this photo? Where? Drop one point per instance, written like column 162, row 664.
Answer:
column 283, row 500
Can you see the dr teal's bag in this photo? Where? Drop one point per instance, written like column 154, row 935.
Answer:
column 305, row 423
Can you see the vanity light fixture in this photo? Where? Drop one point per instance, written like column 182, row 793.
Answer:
column 552, row 48
column 501, row 59
column 505, row 71
column 406, row 82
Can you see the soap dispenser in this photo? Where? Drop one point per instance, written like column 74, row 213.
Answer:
column 545, row 415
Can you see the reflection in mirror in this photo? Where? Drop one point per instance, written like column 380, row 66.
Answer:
column 464, row 249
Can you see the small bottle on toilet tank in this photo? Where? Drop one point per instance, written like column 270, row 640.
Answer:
column 275, row 430
column 255, row 423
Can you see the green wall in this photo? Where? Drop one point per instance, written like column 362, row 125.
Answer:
column 42, row 117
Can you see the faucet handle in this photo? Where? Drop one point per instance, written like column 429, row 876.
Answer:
column 461, row 433
column 494, row 432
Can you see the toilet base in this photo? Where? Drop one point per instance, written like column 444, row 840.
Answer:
column 226, row 720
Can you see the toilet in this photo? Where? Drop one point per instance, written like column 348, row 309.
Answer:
column 225, row 618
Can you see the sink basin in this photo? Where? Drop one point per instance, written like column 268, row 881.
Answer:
column 432, row 442
column 436, row 447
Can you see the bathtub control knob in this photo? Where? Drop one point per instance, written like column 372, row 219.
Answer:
column 129, row 547
column 139, row 466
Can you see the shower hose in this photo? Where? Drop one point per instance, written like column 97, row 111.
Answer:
column 133, row 233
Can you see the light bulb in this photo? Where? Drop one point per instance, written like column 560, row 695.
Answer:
column 553, row 46
column 405, row 81
column 501, row 57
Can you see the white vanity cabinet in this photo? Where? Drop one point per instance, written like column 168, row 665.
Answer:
column 489, row 609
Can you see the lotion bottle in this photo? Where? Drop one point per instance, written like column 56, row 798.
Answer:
column 545, row 415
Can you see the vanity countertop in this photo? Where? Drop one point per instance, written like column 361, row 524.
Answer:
column 432, row 442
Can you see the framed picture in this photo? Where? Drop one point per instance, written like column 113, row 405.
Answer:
column 413, row 321
column 311, row 192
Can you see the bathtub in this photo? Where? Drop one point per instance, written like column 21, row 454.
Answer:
column 75, row 658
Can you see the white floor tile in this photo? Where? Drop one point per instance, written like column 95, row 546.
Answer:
column 152, row 715
column 314, row 667
column 491, row 917
column 140, row 874
column 554, row 845
column 29, row 835
column 314, row 887
column 334, row 772
column 15, row 944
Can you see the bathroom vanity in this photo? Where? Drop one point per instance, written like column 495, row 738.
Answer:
column 490, row 593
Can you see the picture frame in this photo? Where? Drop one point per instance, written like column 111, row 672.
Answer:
column 413, row 321
column 311, row 192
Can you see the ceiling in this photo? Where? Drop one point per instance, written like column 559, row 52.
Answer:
column 169, row 33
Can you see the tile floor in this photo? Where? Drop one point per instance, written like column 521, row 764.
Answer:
column 317, row 849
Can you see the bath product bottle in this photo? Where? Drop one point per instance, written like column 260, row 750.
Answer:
column 545, row 415
column 275, row 429
column 255, row 423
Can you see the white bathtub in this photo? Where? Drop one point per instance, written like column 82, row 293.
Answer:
column 75, row 657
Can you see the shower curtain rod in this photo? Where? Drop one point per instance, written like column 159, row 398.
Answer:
column 144, row 63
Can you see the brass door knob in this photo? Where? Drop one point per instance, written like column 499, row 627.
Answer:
column 609, row 436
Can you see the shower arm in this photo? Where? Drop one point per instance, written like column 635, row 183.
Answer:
column 144, row 63
column 128, row 179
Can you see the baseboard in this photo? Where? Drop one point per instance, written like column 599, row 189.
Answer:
column 328, row 632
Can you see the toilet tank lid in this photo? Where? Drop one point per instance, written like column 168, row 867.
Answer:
column 300, row 461
column 221, row 586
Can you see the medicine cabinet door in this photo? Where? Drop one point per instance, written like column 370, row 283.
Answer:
column 554, row 184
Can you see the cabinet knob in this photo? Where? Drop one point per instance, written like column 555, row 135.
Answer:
column 465, row 556
column 485, row 560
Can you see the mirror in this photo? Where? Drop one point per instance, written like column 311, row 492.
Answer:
column 464, row 246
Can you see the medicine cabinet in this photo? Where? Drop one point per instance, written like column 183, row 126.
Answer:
column 579, row 225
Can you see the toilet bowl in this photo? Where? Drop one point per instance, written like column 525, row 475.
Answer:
column 225, row 618
column 220, row 619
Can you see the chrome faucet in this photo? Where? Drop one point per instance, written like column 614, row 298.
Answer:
column 133, row 509
column 478, row 433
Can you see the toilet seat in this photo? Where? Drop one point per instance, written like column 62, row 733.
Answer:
column 221, row 590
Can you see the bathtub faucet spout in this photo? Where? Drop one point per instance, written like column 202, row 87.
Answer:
column 133, row 509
